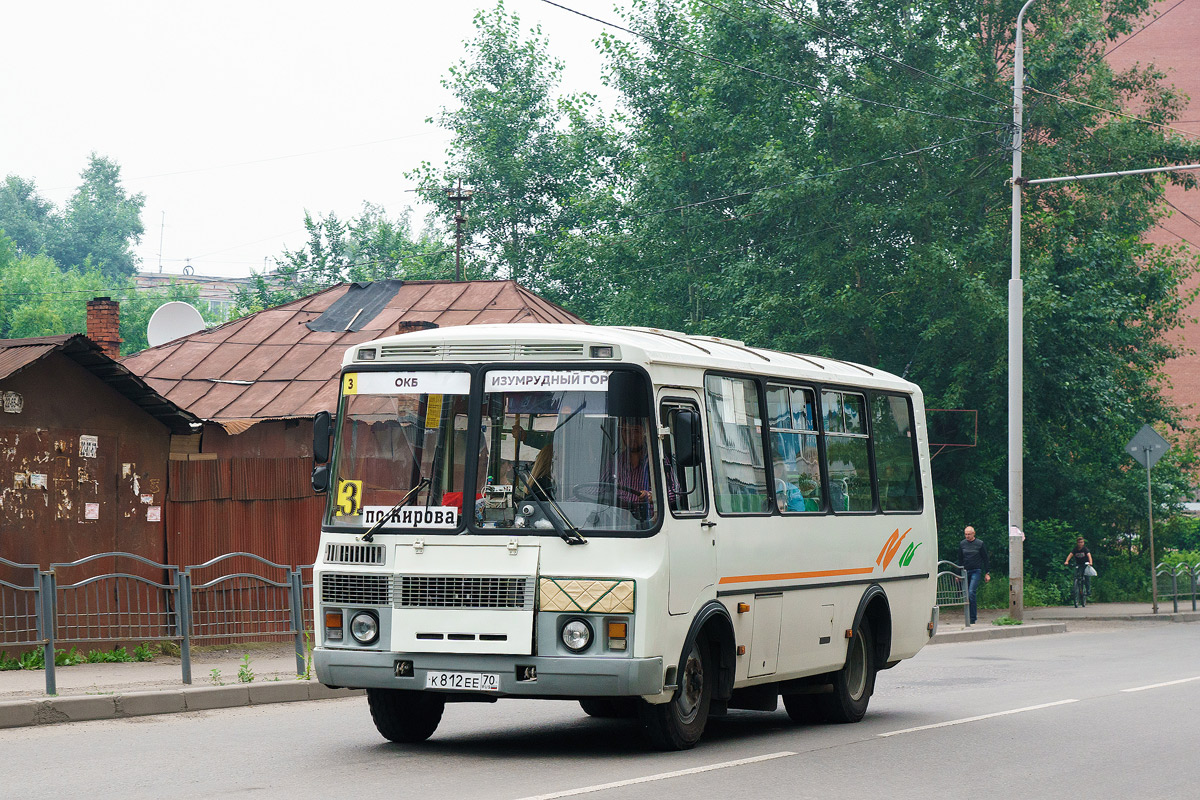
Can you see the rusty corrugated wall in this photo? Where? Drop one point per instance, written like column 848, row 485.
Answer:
column 82, row 469
column 264, row 506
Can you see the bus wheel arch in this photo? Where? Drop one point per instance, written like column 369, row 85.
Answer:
column 712, row 623
column 867, row 648
column 704, row 673
column 876, row 612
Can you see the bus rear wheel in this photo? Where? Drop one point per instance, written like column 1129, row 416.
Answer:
column 405, row 716
column 802, row 708
column 854, row 683
column 678, row 724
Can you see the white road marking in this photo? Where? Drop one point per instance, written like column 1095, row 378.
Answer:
column 662, row 776
column 975, row 719
column 1158, row 685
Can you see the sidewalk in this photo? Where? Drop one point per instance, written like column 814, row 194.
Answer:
column 113, row 691
column 1053, row 619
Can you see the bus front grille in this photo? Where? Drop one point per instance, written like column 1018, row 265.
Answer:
column 371, row 554
column 359, row 590
column 454, row 591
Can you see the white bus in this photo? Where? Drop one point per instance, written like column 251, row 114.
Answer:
column 653, row 524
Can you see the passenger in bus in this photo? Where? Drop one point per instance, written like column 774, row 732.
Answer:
column 788, row 496
column 797, row 496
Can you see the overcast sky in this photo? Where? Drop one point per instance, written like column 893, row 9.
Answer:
column 234, row 117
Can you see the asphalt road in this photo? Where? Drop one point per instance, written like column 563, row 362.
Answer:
column 1112, row 711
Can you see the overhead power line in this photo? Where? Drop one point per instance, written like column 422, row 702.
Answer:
column 1121, row 114
column 1139, row 30
column 762, row 74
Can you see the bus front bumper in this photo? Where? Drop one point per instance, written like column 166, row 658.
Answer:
column 555, row 676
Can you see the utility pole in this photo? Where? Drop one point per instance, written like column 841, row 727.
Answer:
column 458, row 194
column 1016, row 349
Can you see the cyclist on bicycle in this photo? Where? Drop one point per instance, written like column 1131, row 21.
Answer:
column 1083, row 559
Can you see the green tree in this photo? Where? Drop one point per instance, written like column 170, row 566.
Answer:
column 102, row 222
column 28, row 219
column 39, row 299
column 535, row 161
column 369, row 247
column 99, row 227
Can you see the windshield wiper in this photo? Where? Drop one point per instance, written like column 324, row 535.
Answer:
column 370, row 535
column 558, row 518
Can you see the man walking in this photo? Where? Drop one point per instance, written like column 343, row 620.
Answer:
column 973, row 556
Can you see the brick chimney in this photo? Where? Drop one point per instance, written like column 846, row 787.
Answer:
column 103, row 325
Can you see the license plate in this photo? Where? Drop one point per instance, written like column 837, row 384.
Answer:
column 472, row 681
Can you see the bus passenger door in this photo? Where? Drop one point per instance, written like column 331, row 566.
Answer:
column 691, row 538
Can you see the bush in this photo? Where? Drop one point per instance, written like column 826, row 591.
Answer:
column 1038, row 592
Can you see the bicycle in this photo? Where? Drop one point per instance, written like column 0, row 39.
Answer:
column 1079, row 588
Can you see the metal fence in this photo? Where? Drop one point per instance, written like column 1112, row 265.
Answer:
column 952, row 588
column 1184, row 578
column 21, row 617
column 237, row 595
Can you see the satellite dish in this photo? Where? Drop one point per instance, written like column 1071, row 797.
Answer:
column 172, row 320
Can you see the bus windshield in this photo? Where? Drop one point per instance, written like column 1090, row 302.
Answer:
column 400, row 450
column 555, row 454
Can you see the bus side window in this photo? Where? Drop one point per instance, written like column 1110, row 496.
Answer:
column 684, row 482
column 846, row 452
column 735, row 439
column 895, row 453
column 791, row 412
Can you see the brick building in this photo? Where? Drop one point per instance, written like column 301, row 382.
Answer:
column 1170, row 39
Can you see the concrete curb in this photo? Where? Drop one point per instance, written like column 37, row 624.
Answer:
column 78, row 708
column 1166, row 616
column 983, row 633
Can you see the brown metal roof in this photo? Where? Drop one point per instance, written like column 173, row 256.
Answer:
column 18, row 354
column 271, row 365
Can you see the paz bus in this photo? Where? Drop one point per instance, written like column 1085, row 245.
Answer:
column 652, row 524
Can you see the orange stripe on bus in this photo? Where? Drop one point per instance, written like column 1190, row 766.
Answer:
column 787, row 576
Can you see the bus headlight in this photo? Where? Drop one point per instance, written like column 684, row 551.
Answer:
column 364, row 627
column 577, row 635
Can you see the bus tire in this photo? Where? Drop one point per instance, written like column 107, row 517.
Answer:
column 678, row 724
column 405, row 716
column 854, row 683
column 802, row 708
column 609, row 707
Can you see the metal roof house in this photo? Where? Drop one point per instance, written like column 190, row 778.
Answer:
column 244, row 482
column 84, row 446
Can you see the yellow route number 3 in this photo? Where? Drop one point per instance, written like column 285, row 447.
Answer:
column 349, row 498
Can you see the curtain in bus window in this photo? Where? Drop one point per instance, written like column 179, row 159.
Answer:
column 794, row 449
column 846, row 451
column 895, row 456
column 735, row 436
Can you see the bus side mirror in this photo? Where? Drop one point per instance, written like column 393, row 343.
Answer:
column 627, row 395
column 685, row 435
column 320, row 478
column 321, row 430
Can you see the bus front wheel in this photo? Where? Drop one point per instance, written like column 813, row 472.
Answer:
column 854, row 683
column 678, row 724
column 405, row 716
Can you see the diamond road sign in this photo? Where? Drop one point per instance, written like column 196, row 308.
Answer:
column 1147, row 447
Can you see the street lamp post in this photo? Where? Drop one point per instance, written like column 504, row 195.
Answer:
column 1016, row 348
